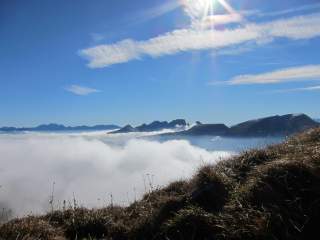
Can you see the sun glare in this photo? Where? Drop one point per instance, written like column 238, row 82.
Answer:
column 199, row 9
column 203, row 13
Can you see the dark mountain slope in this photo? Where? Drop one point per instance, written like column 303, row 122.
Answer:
column 207, row 129
column 275, row 125
column 270, row 126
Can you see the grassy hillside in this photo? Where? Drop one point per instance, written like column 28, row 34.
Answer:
column 262, row 194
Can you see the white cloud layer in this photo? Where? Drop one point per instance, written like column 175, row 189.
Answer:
column 81, row 90
column 183, row 40
column 88, row 168
column 293, row 74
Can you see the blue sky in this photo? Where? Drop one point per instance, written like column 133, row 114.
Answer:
column 122, row 61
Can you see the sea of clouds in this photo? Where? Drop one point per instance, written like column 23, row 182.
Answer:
column 93, row 168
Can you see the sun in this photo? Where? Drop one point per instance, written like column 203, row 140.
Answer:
column 199, row 9
column 202, row 13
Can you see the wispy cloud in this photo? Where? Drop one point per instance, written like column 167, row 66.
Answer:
column 304, row 89
column 293, row 74
column 164, row 8
column 81, row 90
column 309, row 7
column 97, row 37
column 237, row 50
column 183, row 40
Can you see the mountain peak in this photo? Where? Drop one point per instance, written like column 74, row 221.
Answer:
column 154, row 126
column 274, row 125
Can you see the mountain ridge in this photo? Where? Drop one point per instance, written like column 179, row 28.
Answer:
column 59, row 127
column 274, row 125
column 278, row 125
column 153, row 126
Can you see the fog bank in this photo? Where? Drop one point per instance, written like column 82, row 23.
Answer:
column 89, row 168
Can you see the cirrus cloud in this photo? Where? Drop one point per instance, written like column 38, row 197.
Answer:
column 303, row 89
column 81, row 90
column 292, row 74
column 189, row 39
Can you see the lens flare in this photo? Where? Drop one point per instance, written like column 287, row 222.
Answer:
column 202, row 13
column 198, row 9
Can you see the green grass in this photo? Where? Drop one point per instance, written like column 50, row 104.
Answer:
column 272, row 193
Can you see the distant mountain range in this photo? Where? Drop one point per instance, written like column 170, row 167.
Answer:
column 317, row 120
column 269, row 126
column 154, row 126
column 59, row 127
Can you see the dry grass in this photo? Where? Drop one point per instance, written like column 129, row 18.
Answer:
column 262, row 194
